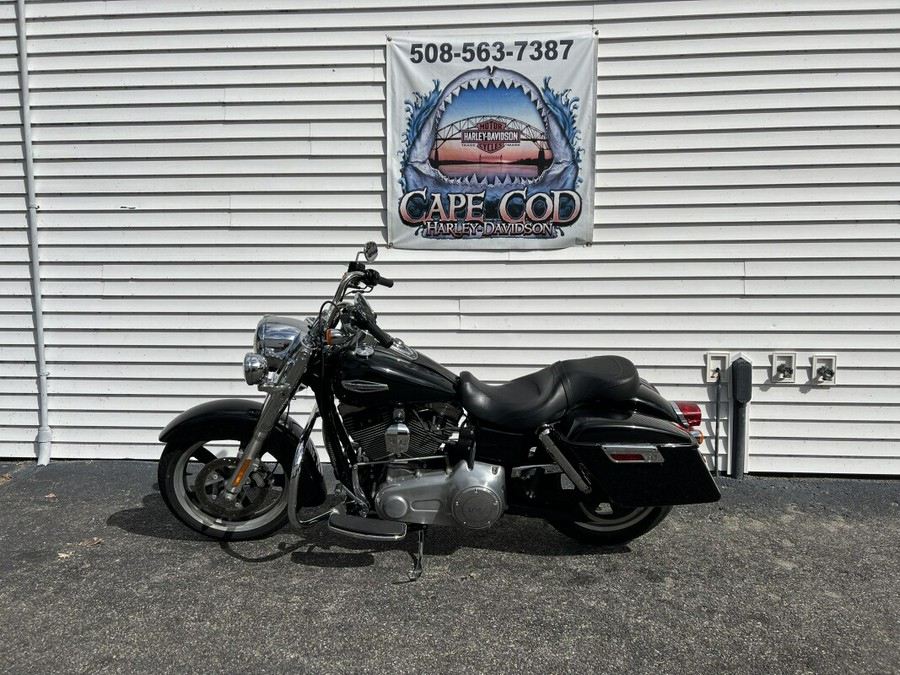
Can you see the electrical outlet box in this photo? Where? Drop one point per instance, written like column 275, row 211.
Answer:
column 720, row 360
column 824, row 369
column 784, row 367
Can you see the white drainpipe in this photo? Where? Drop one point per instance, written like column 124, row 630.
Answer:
column 44, row 435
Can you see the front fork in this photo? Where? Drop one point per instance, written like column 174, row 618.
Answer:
column 276, row 401
column 280, row 393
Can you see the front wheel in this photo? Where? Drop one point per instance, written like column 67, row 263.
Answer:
column 193, row 471
column 602, row 528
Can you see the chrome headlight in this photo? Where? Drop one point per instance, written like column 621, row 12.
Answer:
column 274, row 335
column 255, row 368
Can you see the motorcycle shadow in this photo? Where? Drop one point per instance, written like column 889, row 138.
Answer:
column 516, row 535
column 153, row 519
column 318, row 546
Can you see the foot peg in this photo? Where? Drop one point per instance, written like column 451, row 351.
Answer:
column 367, row 528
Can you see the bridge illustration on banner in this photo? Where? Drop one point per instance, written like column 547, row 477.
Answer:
column 490, row 134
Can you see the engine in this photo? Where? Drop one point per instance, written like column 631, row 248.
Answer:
column 423, row 429
column 474, row 498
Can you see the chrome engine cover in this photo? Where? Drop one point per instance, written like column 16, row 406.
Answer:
column 473, row 498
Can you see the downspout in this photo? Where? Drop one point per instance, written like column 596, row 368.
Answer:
column 44, row 434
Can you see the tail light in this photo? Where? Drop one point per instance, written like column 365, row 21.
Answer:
column 691, row 412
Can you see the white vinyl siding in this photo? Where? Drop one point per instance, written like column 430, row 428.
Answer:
column 202, row 163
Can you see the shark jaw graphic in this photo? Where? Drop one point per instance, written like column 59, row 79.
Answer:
column 419, row 173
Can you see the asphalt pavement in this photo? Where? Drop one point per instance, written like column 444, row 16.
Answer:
column 784, row 575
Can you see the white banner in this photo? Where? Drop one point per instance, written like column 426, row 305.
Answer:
column 491, row 142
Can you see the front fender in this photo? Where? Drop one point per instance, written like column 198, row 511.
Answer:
column 239, row 418
column 234, row 410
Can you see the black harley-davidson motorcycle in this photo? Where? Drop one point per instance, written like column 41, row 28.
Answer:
column 585, row 444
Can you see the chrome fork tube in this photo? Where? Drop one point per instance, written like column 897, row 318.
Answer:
column 272, row 409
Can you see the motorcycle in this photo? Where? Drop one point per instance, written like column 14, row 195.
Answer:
column 585, row 444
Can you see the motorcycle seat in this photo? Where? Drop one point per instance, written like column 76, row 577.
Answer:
column 545, row 396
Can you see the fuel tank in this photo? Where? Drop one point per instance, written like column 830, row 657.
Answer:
column 390, row 376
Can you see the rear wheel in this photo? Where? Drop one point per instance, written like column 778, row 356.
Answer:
column 604, row 527
column 192, row 475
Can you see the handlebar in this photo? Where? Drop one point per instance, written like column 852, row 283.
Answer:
column 357, row 272
column 373, row 277
column 369, row 276
column 383, row 338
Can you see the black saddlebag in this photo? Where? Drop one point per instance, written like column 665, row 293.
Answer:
column 638, row 460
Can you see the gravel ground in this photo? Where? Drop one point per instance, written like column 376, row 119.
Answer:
column 784, row 575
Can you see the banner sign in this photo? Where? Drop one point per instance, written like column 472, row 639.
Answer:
column 491, row 141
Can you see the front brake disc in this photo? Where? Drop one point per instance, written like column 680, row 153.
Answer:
column 210, row 484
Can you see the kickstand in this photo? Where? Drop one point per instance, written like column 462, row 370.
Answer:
column 418, row 557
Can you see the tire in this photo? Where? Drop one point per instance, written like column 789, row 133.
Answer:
column 263, row 498
column 619, row 527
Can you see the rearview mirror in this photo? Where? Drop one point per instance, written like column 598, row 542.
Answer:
column 370, row 251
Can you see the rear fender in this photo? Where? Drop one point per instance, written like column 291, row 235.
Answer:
column 649, row 401
column 237, row 418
